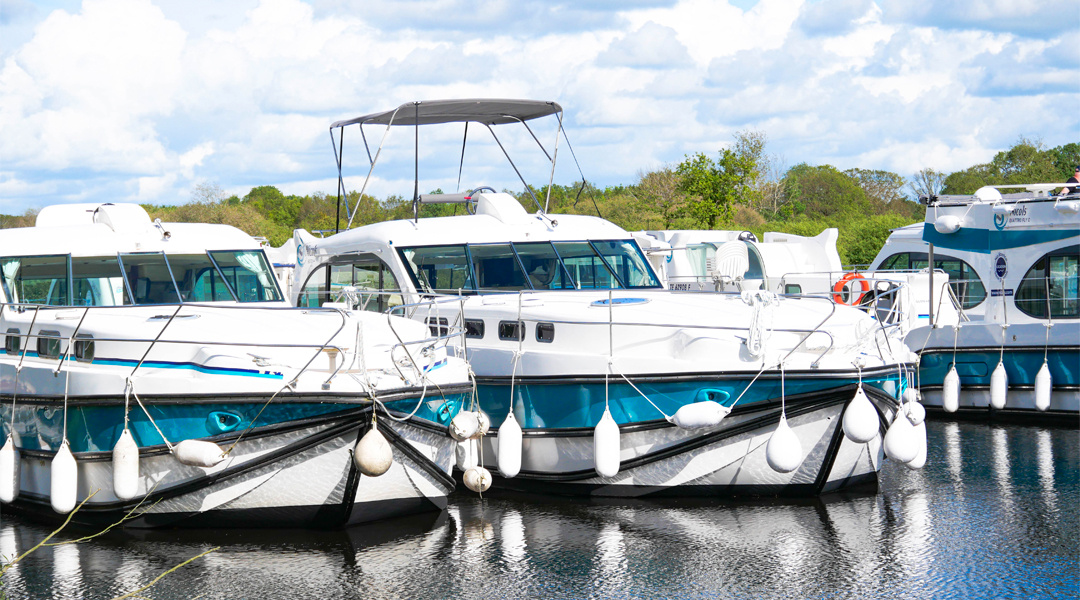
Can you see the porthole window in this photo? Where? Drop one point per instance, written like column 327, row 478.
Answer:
column 48, row 344
column 84, row 347
column 512, row 330
column 1050, row 286
column 439, row 327
column 12, row 342
column 474, row 328
column 545, row 332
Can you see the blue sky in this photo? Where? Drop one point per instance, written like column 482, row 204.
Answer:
column 143, row 101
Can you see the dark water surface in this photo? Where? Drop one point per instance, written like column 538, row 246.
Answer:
column 995, row 514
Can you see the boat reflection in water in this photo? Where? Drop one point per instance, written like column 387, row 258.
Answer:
column 993, row 514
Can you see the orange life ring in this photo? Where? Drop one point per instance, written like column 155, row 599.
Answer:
column 838, row 289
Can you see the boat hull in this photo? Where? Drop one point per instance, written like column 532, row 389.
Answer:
column 978, row 350
column 725, row 460
column 289, row 474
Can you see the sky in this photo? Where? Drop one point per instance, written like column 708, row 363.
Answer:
column 158, row 101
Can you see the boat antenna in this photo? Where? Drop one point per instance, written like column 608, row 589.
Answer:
column 551, row 176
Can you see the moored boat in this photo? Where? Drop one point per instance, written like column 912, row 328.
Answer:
column 153, row 373
column 1016, row 348
column 598, row 381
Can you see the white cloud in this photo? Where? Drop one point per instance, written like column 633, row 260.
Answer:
column 140, row 99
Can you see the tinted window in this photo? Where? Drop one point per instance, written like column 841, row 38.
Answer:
column 542, row 264
column 248, row 274
column 1051, row 283
column 148, row 278
column 439, row 268
column 496, row 267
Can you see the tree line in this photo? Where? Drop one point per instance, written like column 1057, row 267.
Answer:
column 740, row 187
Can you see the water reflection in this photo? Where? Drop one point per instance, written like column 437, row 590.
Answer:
column 993, row 514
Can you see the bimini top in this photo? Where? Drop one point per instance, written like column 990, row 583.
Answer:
column 434, row 112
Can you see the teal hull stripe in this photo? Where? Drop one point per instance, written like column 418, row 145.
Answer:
column 985, row 241
column 1021, row 366
column 96, row 428
column 576, row 404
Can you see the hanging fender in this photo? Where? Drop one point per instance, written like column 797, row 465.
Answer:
column 848, row 278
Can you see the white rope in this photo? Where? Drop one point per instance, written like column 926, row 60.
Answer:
column 643, row 395
column 131, row 384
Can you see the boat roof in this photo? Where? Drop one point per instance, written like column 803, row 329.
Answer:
column 108, row 229
column 499, row 219
column 433, row 112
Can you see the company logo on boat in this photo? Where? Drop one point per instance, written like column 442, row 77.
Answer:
column 299, row 255
column 1001, row 265
column 1018, row 215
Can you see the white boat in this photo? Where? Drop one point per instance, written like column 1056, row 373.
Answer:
column 597, row 380
column 1015, row 257
column 794, row 265
column 155, row 369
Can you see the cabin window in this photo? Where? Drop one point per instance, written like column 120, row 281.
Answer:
column 148, row 278
column 316, row 289
column 627, row 262
column 248, row 275
column 542, row 265
column 84, row 347
column 443, row 269
column 374, row 283
column 474, row 328
column 585, row 266
column 496, row 268
column 512, row 330
column 36, row 280
column 792, row 288
column 198, row 279
column 1050, row 286
column 98, row 281
column 963, row 279
column 12, row 341
column 48, row 344
column 545, row 332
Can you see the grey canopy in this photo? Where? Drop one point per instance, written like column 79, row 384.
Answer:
column 432, row 112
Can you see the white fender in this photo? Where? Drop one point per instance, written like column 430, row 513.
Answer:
column 477, row 479
column 950, row 391
column 999, row 386
column 1043, row 388
column 373, row 454
column 606, row 446
column 911, row 395
column 9, row 471
column 64, row 483
column 466, row 454
column 198, row 453
column 861, row 418
column 920, row 441
column 900, row 442
column 125, row 465
column 915, row 412
column 483, row 424
column 464, row 425
column 700, row 414
column 509, row 439
column 783, row 452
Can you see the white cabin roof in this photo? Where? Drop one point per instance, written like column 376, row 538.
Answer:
column 108, row 229
column 499, row 218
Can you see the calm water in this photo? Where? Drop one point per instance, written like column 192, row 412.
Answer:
column 995, row 514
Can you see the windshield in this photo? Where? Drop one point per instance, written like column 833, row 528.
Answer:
column 139, row 278
column 479, row 268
